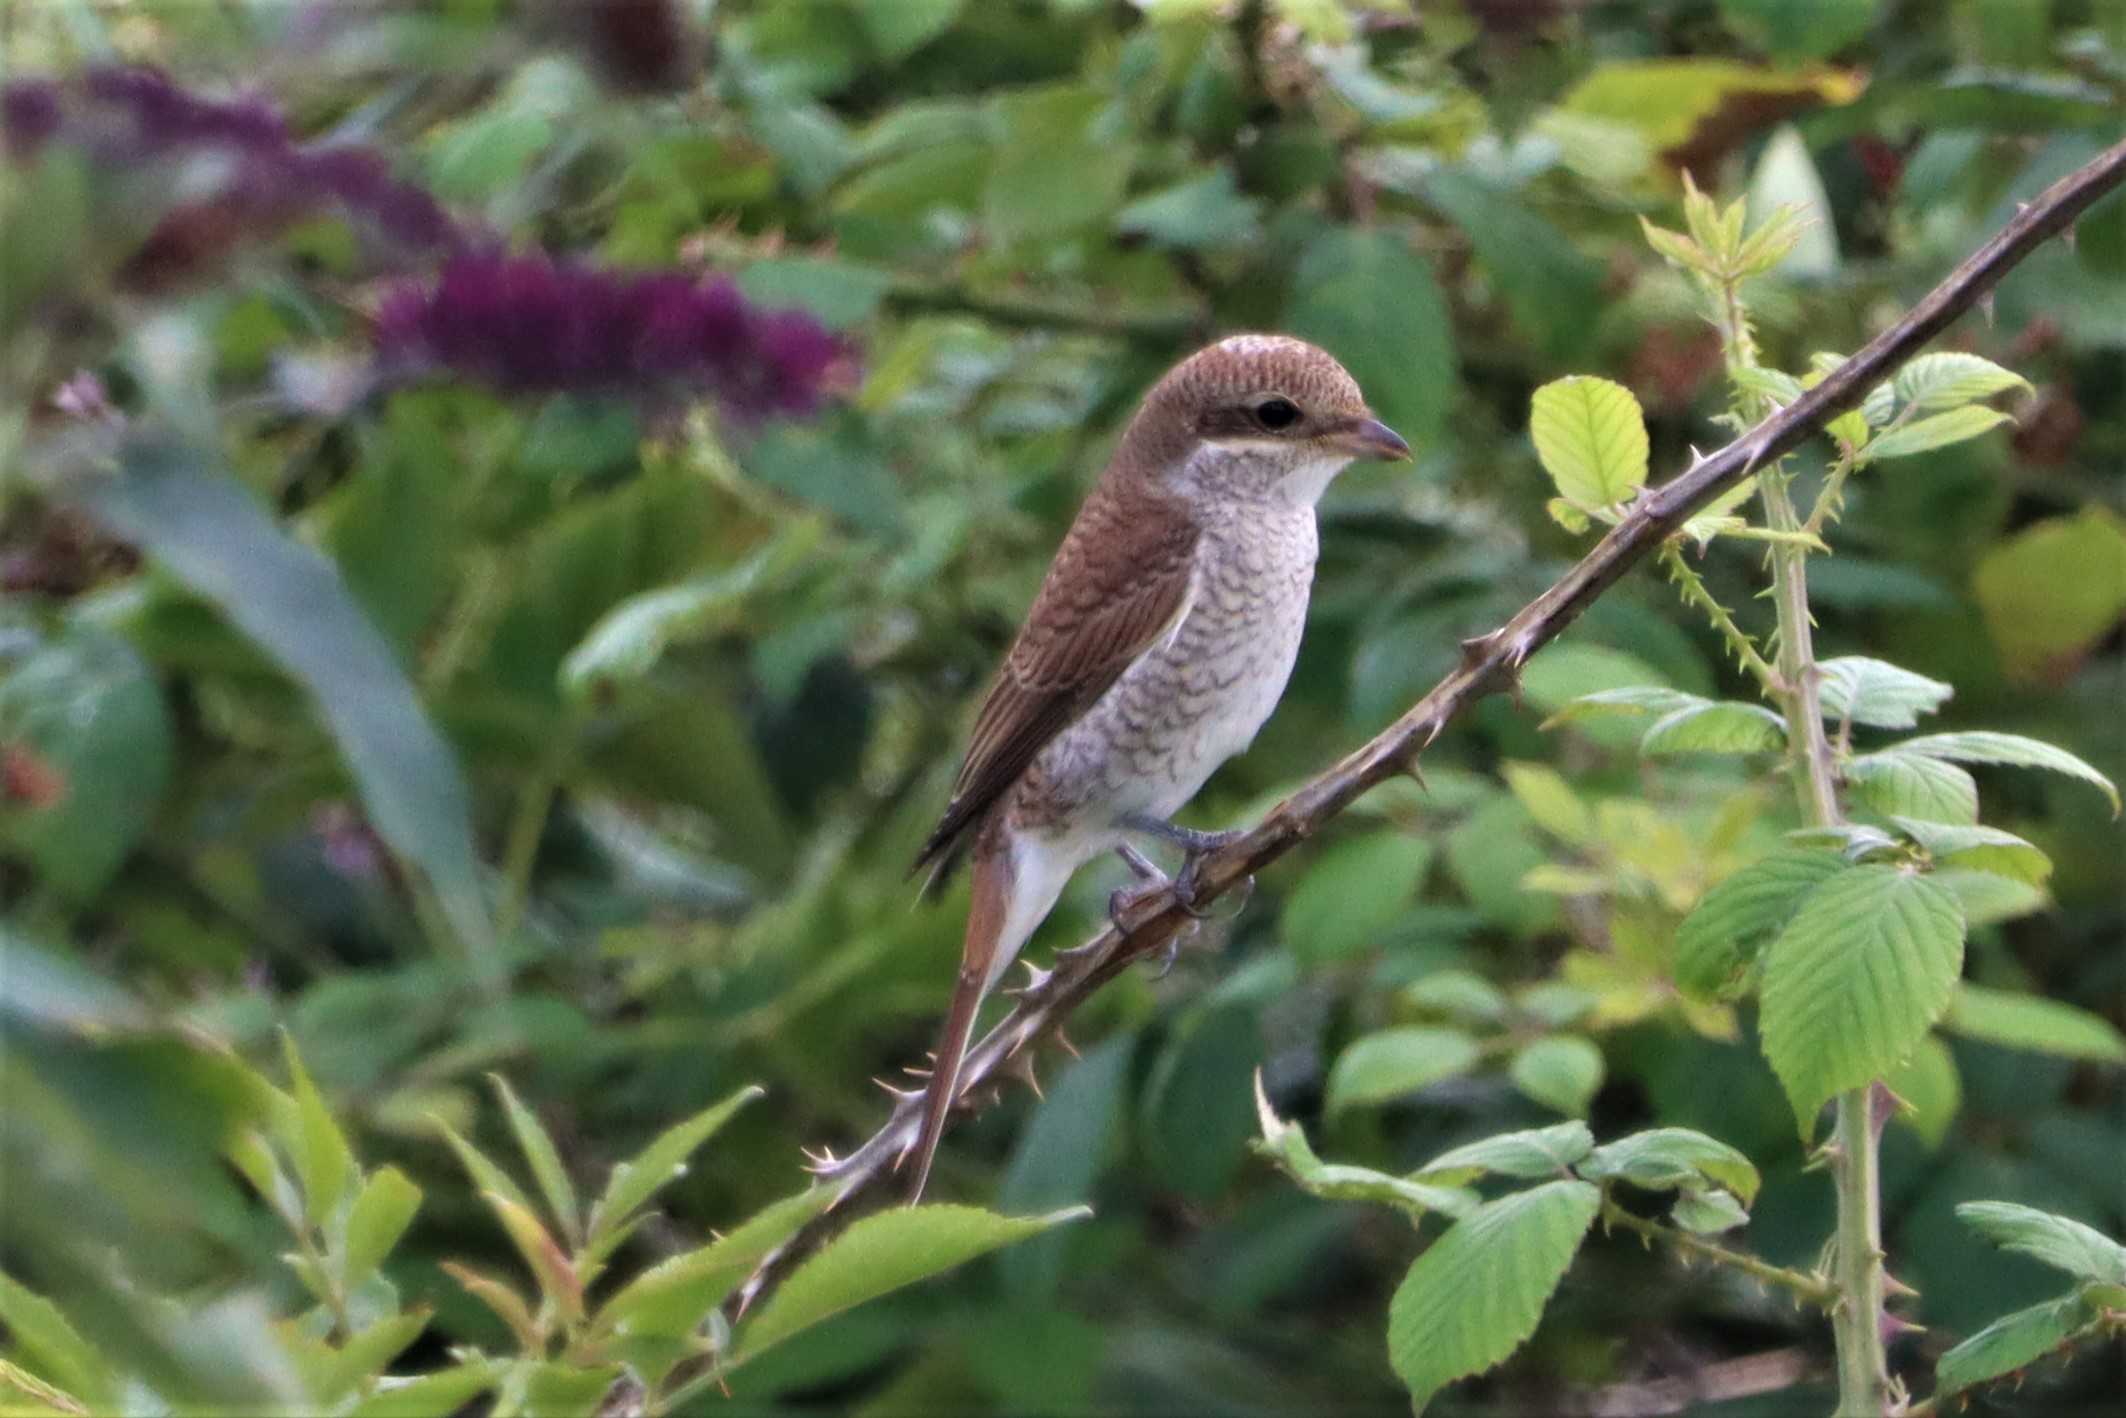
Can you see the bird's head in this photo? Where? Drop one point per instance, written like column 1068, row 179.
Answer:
column 1255, row 418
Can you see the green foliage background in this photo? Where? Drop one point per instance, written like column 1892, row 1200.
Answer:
column 705, row 684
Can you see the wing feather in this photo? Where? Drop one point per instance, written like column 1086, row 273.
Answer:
column 1118, row 584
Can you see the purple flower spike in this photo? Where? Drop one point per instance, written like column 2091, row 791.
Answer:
column 527, row 325
column 29, row 116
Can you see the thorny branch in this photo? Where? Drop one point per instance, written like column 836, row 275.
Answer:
column 1490, row 663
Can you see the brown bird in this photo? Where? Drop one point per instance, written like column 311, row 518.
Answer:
column 1159, row 643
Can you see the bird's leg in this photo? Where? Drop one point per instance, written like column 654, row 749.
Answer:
column 1194, row 845
column 1151, row 879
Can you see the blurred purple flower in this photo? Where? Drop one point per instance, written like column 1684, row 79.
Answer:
column 139, row 119
column 527, row 325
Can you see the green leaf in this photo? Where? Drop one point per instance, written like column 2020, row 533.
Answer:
column 1629, row 699
column 323, row 1160
column 636, row 1180
column 40, row 1337
column 1551, row 287
column 558, row 1279
column 1718, row 939
column 1708, row 1213
column 2014, row 1342
column 672, row 1297
column 1988, row 899
column 2052, row 591
column 364, row 1355
column 1563, row 1072
column 1539, row 1153
column 486, row 1176
column 1899, row 784
column 1930, row 1088
column 207, row 531
column 900, row 27
column 1951, row 378
column 1789, row 213
column 835, row 292
column 538, row 1149
column 1983, row 746
column 1550, row 800
column 1668, row 1159
column 382, row 1210
column 1725, row 727
column 1795, row 32
column 1879, row 694
column 1459, row 994
column 42, row 989
column 1978, row 848
column 1367, row 298
column 1476, row 1295
column 1205, row 212
column 1356, row 890
column 2032, row 1022
column 1063, row 164
column 882, row 1253
column 444, row 1391
column 87, row 711
column 1286, row 1145
column 1591, row 438
column 2058, row 1241
column 1938, row 431
column 1855, row 979
column 1395, row 1062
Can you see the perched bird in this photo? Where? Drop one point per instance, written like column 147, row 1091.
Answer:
column 1159, row 643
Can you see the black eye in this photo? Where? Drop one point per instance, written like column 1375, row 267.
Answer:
column 1276, row 413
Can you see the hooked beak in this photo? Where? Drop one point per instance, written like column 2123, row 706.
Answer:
column 1370, row 438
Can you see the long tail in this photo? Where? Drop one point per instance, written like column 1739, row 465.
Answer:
column 986, row 921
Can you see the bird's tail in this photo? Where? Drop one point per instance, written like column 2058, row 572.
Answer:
column 987, row 919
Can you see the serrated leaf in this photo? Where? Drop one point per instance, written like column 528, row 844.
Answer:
column 1935, row 431
column 1855, row 979
column 1951, row 378
column 1537, row 1153
column 2033, row 1022
column 636, row 1180
column 1478, row 1293
column 2060, row 1242
column 1550, row 800
column 1563, row 1072
column 1286, row 1144
column 1978, row 848
column 674, row 1296
column 1393, row 1062
column 1725, row 727
column 1988, row 899
column 382, row 1210
column 1719, row 938
column 2012, row 1343
column 1879, row 694
column 1665, row 1159
column 1708, row 1213
column 1899, row 784
column 1591, row 439
column 538, row 1148
column 882, row 1253
column 1984, row 746
column 323, row 1161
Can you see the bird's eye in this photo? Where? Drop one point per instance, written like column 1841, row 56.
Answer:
column 1276, row 413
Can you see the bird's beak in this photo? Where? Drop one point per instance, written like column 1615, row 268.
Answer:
column 1370, row 438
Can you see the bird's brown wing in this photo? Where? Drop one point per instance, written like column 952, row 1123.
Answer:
column 1118, row 583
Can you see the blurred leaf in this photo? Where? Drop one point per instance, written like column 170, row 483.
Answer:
column 2032, row 1022
column 323, row 1160
column 900, row 27
column 1666, row 100
column 2013, row 1342
column 1786, row 177
column 1563, row 1072
column 382, row 1210
column 538, row 1149
column 1393, row 1062
column 1708, row 1213
column 636, row 1180
column 1931, row 1089
column 1984, row 746
column 1198, row 213
column 1477, row 1293
column 1553, row 289
column 1059, row 1157
column 1878, row 694
column 1352, row 893
column 559, row 1283
column 40, row 1337
column 1979, row 848
column 41, row 989
column 838, row 293
column 879, row 1254
column 2053, row 590
column 1544, row 1152
column 88, row 710
column 1591, row 438
column 1196, row 1108
column 1855, row 978
column 1726, row 727
column 675, row 1295
column 1063, row 164
column 485, row 1175
column 1719, row 938
column 444, row 1391
column 1371, row 301
column 1796, row 31
column 2064, row 1244
column 1551, row 801
column 283, row 595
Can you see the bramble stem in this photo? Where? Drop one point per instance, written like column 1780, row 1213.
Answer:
column 1809, row 1289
